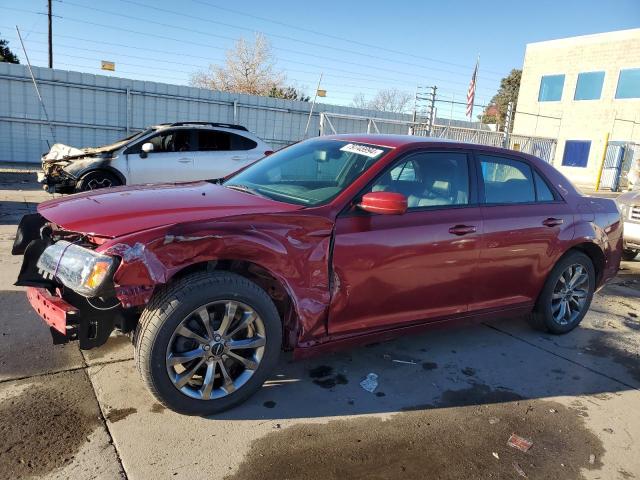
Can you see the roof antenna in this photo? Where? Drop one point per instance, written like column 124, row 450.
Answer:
column 35, row 85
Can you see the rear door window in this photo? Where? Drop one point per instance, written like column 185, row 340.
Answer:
column 506, row 180
column 213, row 141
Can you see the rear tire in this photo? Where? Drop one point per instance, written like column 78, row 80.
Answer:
column 629, row 254
column 97, row 179
column 222, row 370
column 566, row 295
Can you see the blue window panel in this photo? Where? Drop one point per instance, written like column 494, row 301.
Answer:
column 551, row 88
column 629, row 83
column 576, row 153
column 589, row 86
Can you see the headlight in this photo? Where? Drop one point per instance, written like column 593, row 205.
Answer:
column 82, row 270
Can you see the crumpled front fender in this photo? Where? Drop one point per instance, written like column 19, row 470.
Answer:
column 293, row 249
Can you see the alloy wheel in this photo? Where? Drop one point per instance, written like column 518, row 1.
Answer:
column 96, row 183
column 215, row 350
column 570, row 294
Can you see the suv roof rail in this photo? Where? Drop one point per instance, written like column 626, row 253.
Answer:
column 212, row 124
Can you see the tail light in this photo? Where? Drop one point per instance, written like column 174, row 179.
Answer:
column 268, row 152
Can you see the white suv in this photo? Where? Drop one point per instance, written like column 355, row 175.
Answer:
column 176, row 152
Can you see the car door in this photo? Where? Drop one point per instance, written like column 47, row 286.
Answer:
column 523, row 221
column 220, row 153
column 172, row 158
column 391, row 270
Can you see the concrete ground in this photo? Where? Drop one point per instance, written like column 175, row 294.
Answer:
column 446, row 404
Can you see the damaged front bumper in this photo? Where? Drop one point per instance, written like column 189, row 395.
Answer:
column 54, row 179
column 69, row 315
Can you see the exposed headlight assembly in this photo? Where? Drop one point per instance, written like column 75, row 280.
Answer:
column 80, row 269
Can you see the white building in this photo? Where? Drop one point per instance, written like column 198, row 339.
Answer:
column 581, row 90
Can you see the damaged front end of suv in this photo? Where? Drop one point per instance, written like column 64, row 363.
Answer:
column 63, row 166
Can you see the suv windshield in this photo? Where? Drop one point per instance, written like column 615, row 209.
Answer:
column 308, row 173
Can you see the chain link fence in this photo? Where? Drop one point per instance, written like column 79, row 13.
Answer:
column 541, row 147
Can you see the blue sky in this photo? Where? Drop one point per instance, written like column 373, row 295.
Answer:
column 361, row 47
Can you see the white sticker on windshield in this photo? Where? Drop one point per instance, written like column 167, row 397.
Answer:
column 362, row 150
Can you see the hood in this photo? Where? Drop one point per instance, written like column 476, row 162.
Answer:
column 629, row 198
column 60, row 151
column 114, row 212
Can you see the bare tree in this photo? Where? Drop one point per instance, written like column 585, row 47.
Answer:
column 387, row 100
column 249, row 68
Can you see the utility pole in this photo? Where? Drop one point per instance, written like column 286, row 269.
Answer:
column 508, row 121
column 432, row 109
column 50, row 35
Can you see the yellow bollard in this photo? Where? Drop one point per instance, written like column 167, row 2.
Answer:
column 604, row 156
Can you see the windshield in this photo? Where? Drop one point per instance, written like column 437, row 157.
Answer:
column 128, row 139
column 308, row 173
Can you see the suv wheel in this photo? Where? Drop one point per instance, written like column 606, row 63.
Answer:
column 207, row 342
column 629, row 254
column 566, row 295
column 97, row 179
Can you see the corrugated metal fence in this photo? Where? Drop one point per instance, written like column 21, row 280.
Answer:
column 90, row 110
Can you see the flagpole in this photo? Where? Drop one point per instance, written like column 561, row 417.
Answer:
column 473, row 103
column 474, row 97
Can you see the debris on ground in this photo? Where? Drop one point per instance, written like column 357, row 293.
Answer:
column 496, row 455
column 592, row 459
column 520, row 443
column 493, row 420
column 553, row 410
column 519, row 470
column 407, row 362
column 370, row 383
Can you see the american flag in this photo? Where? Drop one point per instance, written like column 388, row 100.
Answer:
column 471, row 93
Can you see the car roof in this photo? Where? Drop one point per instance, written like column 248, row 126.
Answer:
column 397, row 141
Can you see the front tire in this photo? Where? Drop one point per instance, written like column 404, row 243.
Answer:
column 97, row 179
column 207, row 342
column 629, row 254
column 566, row 295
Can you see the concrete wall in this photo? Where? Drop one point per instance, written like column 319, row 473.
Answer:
column 585, row 119
column 91, row 110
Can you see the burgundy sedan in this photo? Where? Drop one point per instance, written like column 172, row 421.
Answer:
column 331, row 242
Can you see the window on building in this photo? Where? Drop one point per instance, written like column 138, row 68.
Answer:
column 576, row 153
column 551, row 88
column 589, row 86
column 629, row 83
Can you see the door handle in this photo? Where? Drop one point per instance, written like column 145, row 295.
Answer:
column 184, row 160
column 237, row 157
column 552, row 222
column 462, row 229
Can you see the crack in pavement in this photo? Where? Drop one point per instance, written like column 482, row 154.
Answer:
column 592, row 370
column 64, row 370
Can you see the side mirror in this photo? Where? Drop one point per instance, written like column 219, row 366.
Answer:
column 146, row 149
column 384, row 203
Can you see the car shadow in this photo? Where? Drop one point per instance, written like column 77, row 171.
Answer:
column 12, row 211
column 19, row 181
column 495, row 362
column 477, row 364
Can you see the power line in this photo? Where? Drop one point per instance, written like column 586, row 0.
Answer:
column 209, row 34
column 165, row 37
column 324, row 34
column 75, row 47
column 285, row 37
